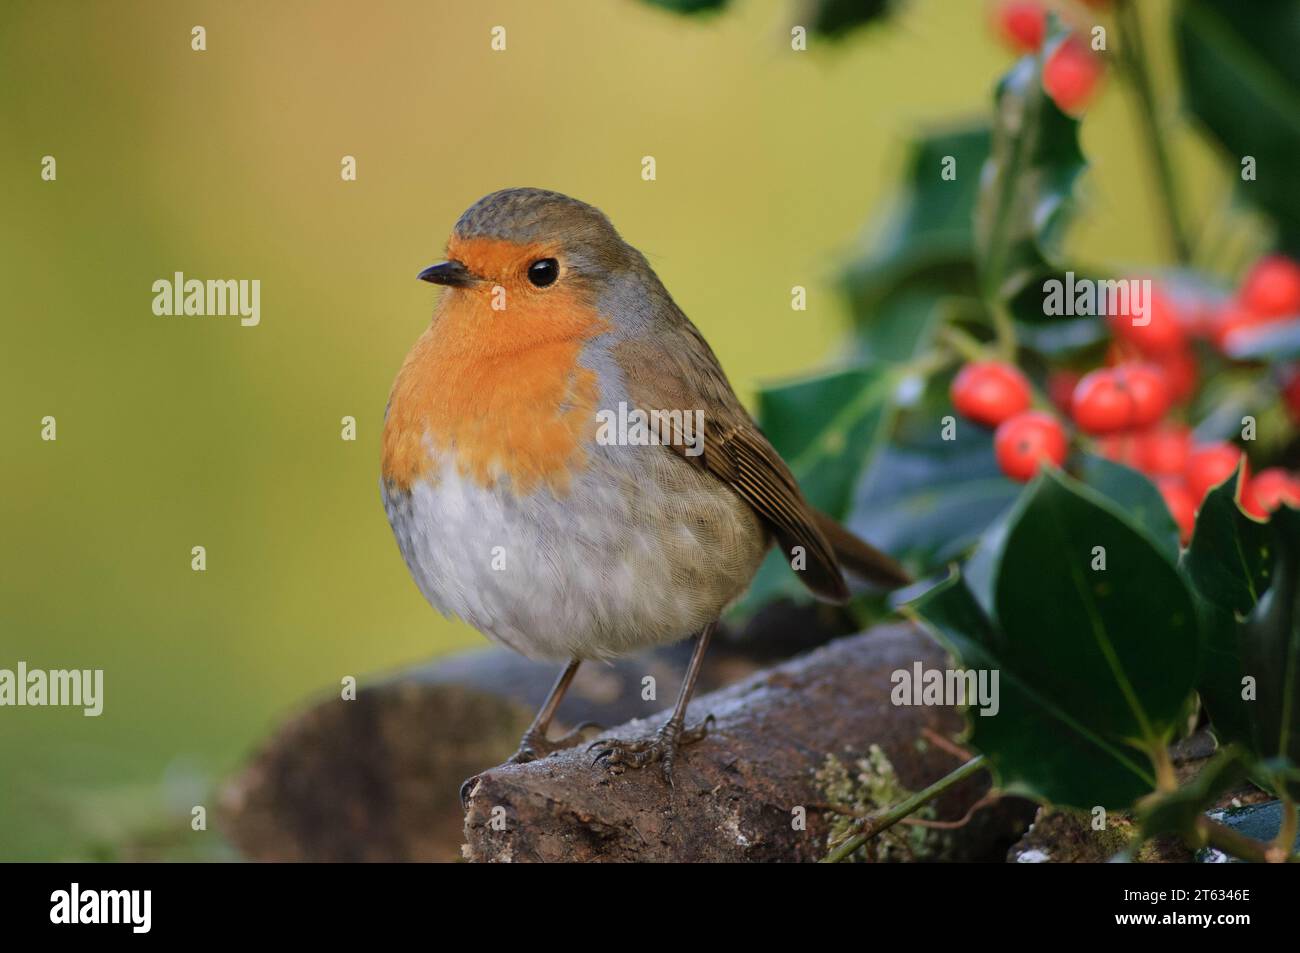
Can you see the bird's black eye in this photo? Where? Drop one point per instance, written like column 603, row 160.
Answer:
column 543, row 272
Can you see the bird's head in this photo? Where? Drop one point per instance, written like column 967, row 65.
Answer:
column 525, row 246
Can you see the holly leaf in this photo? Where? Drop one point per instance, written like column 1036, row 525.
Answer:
column 1137, row 496
column 926, row 500
column 935, row 485
column 838, row 18
column 903, row 325
column 828, row 427
column 1275, row 342
column 1026, row 193
column 689, row 6
column 1227, row 564
column 1246, row 575
column 1095, row 665
column 1229, row 558
column 925, row 249
column 829, row 18
column 1241, row 79
column 1270, row 640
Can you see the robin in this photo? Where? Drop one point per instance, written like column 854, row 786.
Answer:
column 516, row 507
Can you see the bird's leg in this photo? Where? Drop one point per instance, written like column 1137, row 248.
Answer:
column 663, row 746
column 534, row 743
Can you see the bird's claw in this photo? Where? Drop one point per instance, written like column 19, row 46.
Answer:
column 466, row 787
column 534, row 746
column 619, row 755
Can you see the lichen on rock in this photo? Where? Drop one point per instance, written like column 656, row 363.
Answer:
column 871, row 786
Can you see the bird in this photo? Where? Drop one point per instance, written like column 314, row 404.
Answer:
column 518, row 512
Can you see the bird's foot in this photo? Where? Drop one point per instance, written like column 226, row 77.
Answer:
column 534, row 745
column 662, row 747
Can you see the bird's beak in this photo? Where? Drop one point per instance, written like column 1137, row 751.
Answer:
column 451, row 273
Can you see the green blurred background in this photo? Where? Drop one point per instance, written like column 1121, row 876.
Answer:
column 175, row 432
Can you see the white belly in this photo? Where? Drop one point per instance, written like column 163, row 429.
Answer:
column 627, row 558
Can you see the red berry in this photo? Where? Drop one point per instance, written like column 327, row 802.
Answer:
column 1101, row 403
column 1022, row 23
column 1146, row 385
column 1182, row 505
column 1272, row 289
column 1270, row 489
column 1251, row 505
column 1210, row 465
column 1180, row 371
column 1154, row 332
column 1025, row 441
column 1070, row 74
column 1060, row 389
column 989, row 392
column 1118, row 447
column 1163, row 450
column 1291, row 394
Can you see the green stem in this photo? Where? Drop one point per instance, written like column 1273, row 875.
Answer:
column 1133, row 59
column 928, row 364
column 966, row 346
column 1166, row 777
column 869, row 827
column 1004, row 331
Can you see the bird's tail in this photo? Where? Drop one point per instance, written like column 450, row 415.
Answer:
column 860, row 558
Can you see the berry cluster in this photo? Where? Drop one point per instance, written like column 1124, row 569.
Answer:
column 997, row 394
column 1072, row 70
column 1133, row 408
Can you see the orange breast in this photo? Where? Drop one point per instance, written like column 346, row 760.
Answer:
column 499, row 392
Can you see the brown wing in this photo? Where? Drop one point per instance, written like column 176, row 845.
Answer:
column 679, row 372
column 740, row 456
